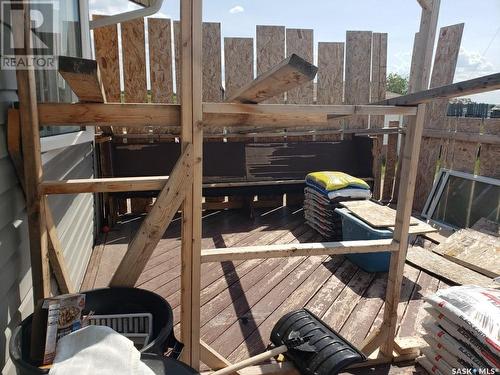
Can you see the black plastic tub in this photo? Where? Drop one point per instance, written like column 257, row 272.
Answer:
column 107, row 301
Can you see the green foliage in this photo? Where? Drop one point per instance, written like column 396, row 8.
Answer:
column 397, row 83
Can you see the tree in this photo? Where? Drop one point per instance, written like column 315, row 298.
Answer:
column 397, row 83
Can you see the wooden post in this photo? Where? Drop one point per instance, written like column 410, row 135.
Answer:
column 405, row 201
column 33, row 172
column 191, row 133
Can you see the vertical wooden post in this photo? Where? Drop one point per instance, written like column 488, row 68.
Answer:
column 33, row 172
column 191, row 116
column 405, row 201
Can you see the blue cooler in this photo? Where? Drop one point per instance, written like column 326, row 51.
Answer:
column 354, row 229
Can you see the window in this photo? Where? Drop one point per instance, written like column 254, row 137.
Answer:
column 71, row 38
column 459, row 200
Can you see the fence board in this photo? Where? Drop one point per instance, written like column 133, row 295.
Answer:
column 134, row 61
column 212, row 64
column 270, row 52
column 461, row 156
column 238, row 63
column 106, row 53
column 330, row 73
column 160, row 60
column 390, row 163
column 300, row 42
column 490, row 154
column 357, row 74
column 443, row 71
column 377, row 93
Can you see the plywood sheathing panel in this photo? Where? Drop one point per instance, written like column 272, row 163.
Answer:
column 212, row 62
column 490, row 154
column 443, row 72
column 238, row 63
column 106, row 53
column 300, row 42
column 160, row 60
column 460, row 155
column 134, row 61
column 377, row 93
column 390, row 163
column 270, row 52
column 472, row 249
column 357, row 74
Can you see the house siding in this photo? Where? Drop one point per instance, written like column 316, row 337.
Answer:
column 73, row 215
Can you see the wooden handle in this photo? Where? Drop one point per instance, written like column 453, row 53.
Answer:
column 252, row 360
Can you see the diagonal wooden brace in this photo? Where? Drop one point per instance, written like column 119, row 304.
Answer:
column 156, row 222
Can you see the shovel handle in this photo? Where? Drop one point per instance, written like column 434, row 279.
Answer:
column 251, row 361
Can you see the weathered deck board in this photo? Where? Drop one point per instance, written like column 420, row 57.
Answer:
column 242, row 300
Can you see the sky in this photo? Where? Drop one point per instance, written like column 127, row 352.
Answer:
column 479, row 53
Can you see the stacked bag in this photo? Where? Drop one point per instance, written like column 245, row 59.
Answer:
column 462, row 331
column 323, row 193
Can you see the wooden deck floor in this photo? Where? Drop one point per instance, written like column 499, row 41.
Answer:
column 242, row 300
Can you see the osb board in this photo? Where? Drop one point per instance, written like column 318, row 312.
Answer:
column 106, row 52
column 300, row 42
column 134, row 61
column 212, row 63
column 460, row 155
column 390, row 163
column 177, row 60
column 379, row 75
column 472, row 249
column 357, row 74
column 490, row 154
column 330, row 73
column 270, row 52
column 487, row 226
column 443, row 72
column 160, row 60
column 376, row 215
column 444, row 268
column 238, row 63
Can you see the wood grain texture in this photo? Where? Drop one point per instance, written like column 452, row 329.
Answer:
column 134, row 61
column 472, row 249
column 106, row 53
column 390, row 163
column 83, row 77
column 160, row 60
column 177, row 60
column 357, row 74
column 443, row 72
column 461, row 155
column 300, row 42
column 376, row 215
column 238, row 64
column 330, row 73
column 378, row 92
column 270, row 42
column 212, row 62
column 490, row 154
column 444, row 268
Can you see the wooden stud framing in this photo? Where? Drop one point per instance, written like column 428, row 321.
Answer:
column 192, row 133
column 403, row 215
column 33, row 172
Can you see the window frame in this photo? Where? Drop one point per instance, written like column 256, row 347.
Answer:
column 87, row 133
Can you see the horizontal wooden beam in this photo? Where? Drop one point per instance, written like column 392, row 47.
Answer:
column 113, row 114
column 473, row 86
column 216, row 115
column 290, row 73
column 83, row 77
column 302, row 249
column 463, row 136
column 124, row 184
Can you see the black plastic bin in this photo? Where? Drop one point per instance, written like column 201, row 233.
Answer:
column 108, row 301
